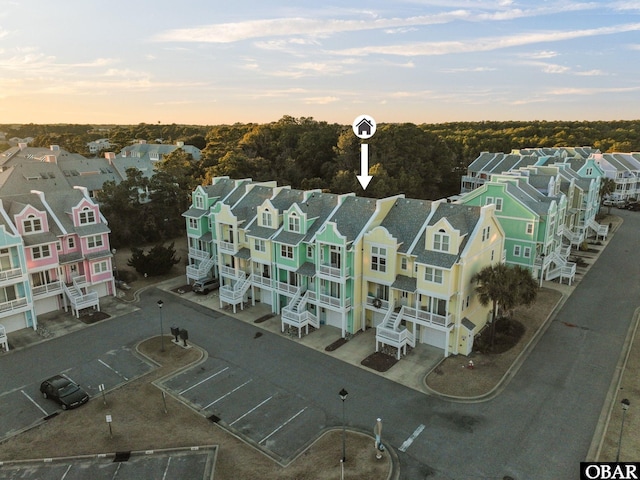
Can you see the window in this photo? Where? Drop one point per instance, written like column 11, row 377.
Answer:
column 198, row 202
column 100, row 267
column 485, row 233
column 260, row 245
column 32, row 224
column 379, row 259
column 529, row 228
column 286, row 251
column 266, row 219
column 310, row 252
column 87, row 216
column 193, row 223
column 71, row 242
column 526, row 252
column 294, row 223
column 41, row 251
column 516, row 250
column 441, row 242
column 95, row 241
column 433, row 275
column 403, row 263
column 489, row 201
column 498, row 204
column 589, row 171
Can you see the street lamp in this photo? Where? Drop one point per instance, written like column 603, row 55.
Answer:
column 160, row 304
column 115, row 267
column 343, row 396
column 541, row 268
column 625, row 406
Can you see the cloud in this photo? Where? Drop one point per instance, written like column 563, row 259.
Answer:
column 320, row 100
column 485, row 44
column 591, row 91
column 541, row 54
column 319, row 27
column 468, row 69
column 592, row 73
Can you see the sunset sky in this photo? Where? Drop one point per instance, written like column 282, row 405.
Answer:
column 422, row 61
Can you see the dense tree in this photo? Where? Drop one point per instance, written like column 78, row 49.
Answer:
column 158, row 261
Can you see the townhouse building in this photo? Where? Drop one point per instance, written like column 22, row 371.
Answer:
column 319, row 259
column 55, row 242
column 624, row 170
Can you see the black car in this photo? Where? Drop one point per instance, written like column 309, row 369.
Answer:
column 67, row 393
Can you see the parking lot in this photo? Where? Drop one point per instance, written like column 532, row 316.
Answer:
column 25, row 407
column 278, row 422
column 191, row 463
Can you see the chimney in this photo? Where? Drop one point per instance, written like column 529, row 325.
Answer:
column 180, row 144
column 55, row 148
column 51, row 159
column 22, row 146
column 142, row 142
column 110, row 156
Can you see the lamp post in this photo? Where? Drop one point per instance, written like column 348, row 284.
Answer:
column 625, row 406
column 115, row 267
column 343, row 396
column 541, row 268
column 160, row 304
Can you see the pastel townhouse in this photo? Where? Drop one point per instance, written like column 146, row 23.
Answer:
column 624, row 170
column 417, row 269
column 64, row 237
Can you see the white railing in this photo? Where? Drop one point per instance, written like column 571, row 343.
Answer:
column 202, row 269
column 13, row 305
column 47, row 289
column 228, row 247
column 330, row 271
column 9, row 274
column 427, row 317
column 232, row 273
column 234, row 294
column 79, row 280
column 384, row 304
column 260, row 280
column 334, row 301
column 4, row 343
column 287, row 288
column 198, row 254
column 396, row 338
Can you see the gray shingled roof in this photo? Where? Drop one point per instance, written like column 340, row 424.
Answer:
column 92, row 229
column 318, row 207
column 308, row 269
column 220, row 189
column 39, row 239
column 245, row 209
column 195, row 213
column 407, row 284
column 352, row 215
column 405, row 219
column 287, row 197
column 244, row 253
column 289, row 238
column 468, row 324
column 257, row 231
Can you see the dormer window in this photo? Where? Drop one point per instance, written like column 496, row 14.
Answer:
column 441, row 241
column 32, row 224
column 267, row 219
column 498, row 204
column 198, row 202
column 87, row 216
column 294, row 223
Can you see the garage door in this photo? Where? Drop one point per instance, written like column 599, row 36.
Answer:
column 434, row 337
column 332, row 318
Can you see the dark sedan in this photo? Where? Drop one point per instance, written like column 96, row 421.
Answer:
column 67, row 393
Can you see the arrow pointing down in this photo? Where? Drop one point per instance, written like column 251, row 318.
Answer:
column 364, row 178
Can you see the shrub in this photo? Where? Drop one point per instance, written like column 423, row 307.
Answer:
column 158, row 261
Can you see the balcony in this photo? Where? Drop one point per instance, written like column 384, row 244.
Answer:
column 260, row 281
column 13, row 305
column 47, row 289
column 231, row 272
column 198, row 254
column 10, row 274
column 413, row 314
column 331, row 271
column 286, row 288
column 334, row 302
column 377, row 303
column 228, row 247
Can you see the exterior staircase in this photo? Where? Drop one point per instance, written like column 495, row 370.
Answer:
column 234, row 294
column 561, row 268
column 80, row 296
column 391, row 333
column 200, row 271
column 4, row 343
column 573, row 237
column 599, row 230
column 296, row 313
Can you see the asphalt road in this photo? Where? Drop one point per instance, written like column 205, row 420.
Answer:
column 539, row 427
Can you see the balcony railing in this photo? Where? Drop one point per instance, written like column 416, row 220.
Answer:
column 13, row 305
column 231, row 272
column 286, row 288
column 328, row 300
column 373, row 302
column 47, row 289
column 198, row 254
column 10, row 274
column 330, row 271
column 427, row 317
column 260, row 280
column 228, row 247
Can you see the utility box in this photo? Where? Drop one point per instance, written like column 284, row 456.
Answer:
column 184, row 335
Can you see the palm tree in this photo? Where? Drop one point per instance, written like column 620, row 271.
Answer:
column 504, row 286
column 607, row 187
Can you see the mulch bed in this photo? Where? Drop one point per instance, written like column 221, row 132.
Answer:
column 335, row 345
column 182, row 289
column 380, row 362
column 264, row 318
column 93, row 317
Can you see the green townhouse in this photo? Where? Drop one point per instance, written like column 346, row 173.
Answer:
column 531, row 210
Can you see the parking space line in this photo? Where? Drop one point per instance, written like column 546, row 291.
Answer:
column 34, row 402
column 407, row 443
column 281, row 426
column 202, row 381
column 164, row 476
column 113, row 369
column 252, row 410
column 228, row 393
column 65, row 473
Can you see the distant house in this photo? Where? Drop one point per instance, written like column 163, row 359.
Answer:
column 364, row 127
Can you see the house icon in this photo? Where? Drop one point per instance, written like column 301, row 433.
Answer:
column 364, row 127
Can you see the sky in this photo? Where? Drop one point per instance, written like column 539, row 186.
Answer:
column 210, row 62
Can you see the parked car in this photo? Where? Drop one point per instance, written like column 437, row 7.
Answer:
column 634, row 206
column 67, row 393
column 205, row 286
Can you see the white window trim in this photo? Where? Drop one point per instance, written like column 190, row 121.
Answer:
column 431, row 275
column 97, row 240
